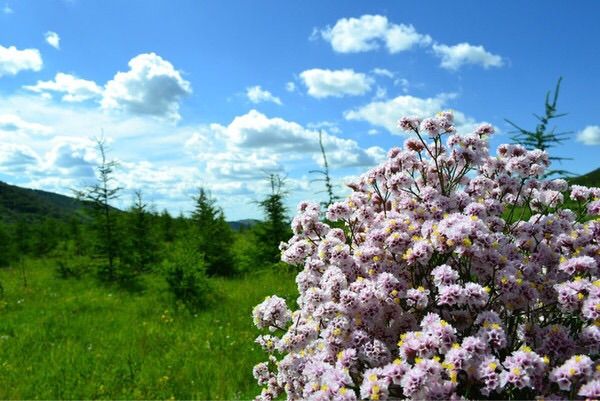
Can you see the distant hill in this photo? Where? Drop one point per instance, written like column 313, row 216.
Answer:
column 591, row 179
column 241, row 224
column 32, row 204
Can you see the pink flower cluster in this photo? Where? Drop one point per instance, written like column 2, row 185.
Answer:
column 446, row 274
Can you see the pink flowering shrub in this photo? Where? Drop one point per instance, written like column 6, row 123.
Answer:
column 457, row 275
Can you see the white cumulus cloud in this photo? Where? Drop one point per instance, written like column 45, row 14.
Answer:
column 384, row 72
column 13, row 60
column 13, row 123
column 52, row 39
column 75, row 158
column 323, row 83
column 454, row 57
column 256, row 94
column 279, row 139
column 74, row 89
column 152, row 86
column 17, row 158
column 386, row 113
column 369, row 32
column 590, row 135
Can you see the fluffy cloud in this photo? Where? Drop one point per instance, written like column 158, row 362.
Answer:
column 159, row 182
column 230, row 159
column 328, row 126
column 71, row 157
column 383, row 72
column 353, row 156
column 324, row 83
column 277, row 138
column 257, row 95
column 152, row 86
column 352, row 35
column 14, row 124
column 290, row 86
column 17, row 158
column 454, row 57
column 386, row 113
column 52, row 39
column 74, row 88
column 242, row 166
column 590, row 135
column 13, row 60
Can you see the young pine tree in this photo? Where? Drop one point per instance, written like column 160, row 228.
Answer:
column 543, row 137
column 100, row 196
column 167, row 226
column 45, row 236
column 275, row 228
column 76, row 235
column 23, row 245
column 213, row 236
column 142, row 244
column 325, row 177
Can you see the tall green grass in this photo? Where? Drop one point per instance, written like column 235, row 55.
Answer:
column 77, row 339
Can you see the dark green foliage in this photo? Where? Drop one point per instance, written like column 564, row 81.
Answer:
column 70, row 262
column 66, row 270
column 212, row 235
column 76, row 232
column 167, row 226
column 141, row 245
column 45, row 236
column 543, row 137
column 185, row 273
column 100, row 195
column 5, row 246
column 22, row 237
column 275, row 228
column 246, row 251
column 32, row 204
column 71, row 268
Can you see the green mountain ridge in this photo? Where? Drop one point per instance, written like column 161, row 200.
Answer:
column 591, row 179
column 33, row 204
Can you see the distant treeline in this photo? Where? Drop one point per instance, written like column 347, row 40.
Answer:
column 119, row 246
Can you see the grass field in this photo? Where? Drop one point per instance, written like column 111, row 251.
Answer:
column 77, row 339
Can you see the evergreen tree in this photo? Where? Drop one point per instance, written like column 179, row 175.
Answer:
column 5, row 246
column 22, row 245
column 45, row 236
column 22, row 238
column 167, row 226
column 325, row 176
column 76, row 235
column 544, row 138
column 184, row 270
column 214, row 237
column 275, row 227
column 101, row 195
column 142, row 244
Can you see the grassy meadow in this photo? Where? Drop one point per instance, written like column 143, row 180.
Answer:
column 80, row 339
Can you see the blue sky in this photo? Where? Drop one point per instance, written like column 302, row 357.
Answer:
column 220, row 93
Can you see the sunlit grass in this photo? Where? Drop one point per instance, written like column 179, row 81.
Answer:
column 77, row 339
